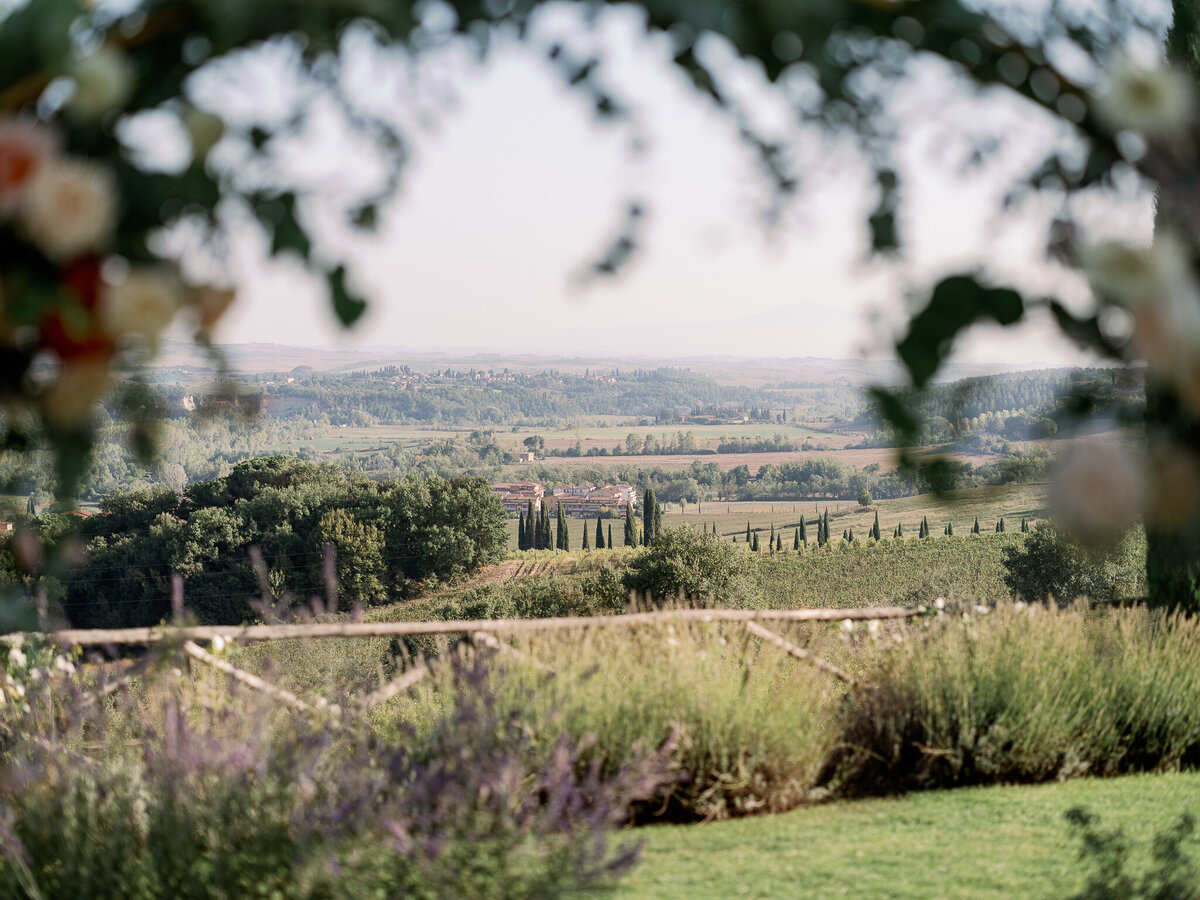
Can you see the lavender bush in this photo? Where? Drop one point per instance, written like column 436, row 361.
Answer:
column 231, row 807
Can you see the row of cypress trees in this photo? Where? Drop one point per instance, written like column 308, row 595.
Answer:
column 534, row 531
column 775, row 542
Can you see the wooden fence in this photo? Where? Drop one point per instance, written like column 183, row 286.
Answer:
column 480, row 632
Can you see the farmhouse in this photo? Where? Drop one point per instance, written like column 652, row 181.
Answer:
column 589, row 500
column 517, row 495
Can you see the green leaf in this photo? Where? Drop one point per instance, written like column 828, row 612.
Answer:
column 956, row 303
column 346, row 306
column 289, row 234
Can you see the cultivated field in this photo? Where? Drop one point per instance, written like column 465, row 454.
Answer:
column 960, row 507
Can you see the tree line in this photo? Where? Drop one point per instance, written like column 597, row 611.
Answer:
column 390, row 539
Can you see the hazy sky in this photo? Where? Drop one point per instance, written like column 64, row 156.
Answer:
column 513, row 187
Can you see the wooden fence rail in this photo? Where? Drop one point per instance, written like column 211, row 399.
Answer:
column 99, row 637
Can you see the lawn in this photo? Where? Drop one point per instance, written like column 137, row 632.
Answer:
column 974, row 843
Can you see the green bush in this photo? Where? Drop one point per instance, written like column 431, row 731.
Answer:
column 687, row 564
column 1024, row 694
column 225, row 805
column 754, row 724
column 1050, row 565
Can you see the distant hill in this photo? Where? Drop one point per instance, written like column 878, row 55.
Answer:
column 182, row 361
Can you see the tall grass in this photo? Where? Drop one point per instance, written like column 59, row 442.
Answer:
column 754, row 725
column 1025, row 693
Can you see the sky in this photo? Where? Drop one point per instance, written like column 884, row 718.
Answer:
column 513, row 187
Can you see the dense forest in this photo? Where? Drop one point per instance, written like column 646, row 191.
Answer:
column 394, row 538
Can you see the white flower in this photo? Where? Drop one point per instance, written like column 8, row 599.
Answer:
column 24, row 149
column 1166, row 331
column 104, row 81
column 144, row 303
column 1099, row 491
column 218, row 645
column 1152, row 101
column 64, row 665
column 940, row 603
column 1131, row 276
column 71, row 208
column 204, row 129
column 68, row 400
column 16, row 657
column 848, row 624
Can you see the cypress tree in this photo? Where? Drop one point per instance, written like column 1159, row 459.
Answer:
column 1000, row 525
column 900, row 530
column 529, row 535
column 630, row 527
column 520, row 530
column 950, row 529
column 771, row 542
column 779, row 542
column 896, row 532
column 31, row 507
column 796, row 540
column 975, row 527
column 610, row 543
column 561, row 542
column 649, row 504
column 1024, row 526
column 875, row 528
column 844, row 534
column 657, row 519
column 850, row 534
column 827, row 524
column 754, row 543
column 585, row 545
column 600, row 534
column 803, row 530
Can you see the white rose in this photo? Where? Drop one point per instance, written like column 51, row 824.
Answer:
column 71, row 208
column 104, row 81
column 1099, row 492
column 144, row 303
column 24, row 149
column 1131, row 276
column 1152, row 101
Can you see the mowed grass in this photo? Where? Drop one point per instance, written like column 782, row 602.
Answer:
column 973, row 843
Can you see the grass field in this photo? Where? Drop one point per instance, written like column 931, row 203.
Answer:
column 960, row 507
column 974, row 844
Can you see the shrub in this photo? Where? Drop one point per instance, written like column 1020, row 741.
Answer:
column 1024, row 694
column 472, row 806
column 684, row 563
column 754, row 724
column 1051, row 565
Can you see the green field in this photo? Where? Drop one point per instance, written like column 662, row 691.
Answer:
column 974, row 844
